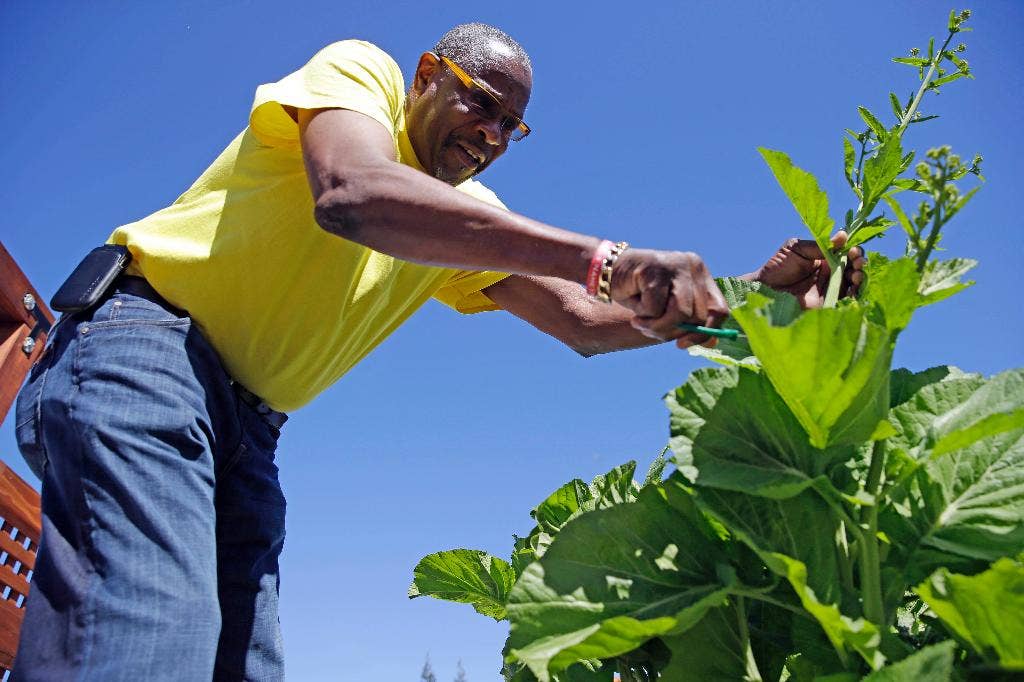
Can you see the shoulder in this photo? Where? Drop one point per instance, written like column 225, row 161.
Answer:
column 357, row 51
column 479, row 190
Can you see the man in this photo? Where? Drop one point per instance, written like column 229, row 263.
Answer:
column 342, row 207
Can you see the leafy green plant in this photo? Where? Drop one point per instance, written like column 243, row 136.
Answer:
column 827, row 518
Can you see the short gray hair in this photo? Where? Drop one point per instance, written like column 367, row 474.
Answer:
column 466, row 45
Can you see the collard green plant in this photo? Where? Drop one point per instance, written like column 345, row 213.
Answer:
column 828, row 517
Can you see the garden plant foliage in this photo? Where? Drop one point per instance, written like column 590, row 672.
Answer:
column 826, row 517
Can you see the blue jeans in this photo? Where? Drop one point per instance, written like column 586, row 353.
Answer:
column 163, row 517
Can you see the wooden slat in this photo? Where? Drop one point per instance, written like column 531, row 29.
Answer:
column 14, row 581
column 19, row 503
column 17, row 551
column 10, row 624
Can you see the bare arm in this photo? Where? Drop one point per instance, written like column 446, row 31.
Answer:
column 365, row 196
column 563, row 310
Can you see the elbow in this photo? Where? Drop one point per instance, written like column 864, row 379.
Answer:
column 348, row 202
column 337, row 210
column 585, row 339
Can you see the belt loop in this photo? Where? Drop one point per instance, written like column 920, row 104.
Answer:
column 269, row 414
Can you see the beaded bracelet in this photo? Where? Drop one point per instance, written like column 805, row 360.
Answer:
column 599, row 274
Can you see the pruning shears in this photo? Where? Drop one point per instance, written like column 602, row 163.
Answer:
column 731, row 334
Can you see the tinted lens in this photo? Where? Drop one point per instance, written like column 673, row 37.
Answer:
column 520, row 131
column 489, row 105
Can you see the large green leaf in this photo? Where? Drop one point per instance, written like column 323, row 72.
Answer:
column 613, row 579
column 830, row 366
column 799, row 527
column 932, row 663
column 714, row 649
column 942, row 278
column 904, row 384
column 985, row 610
column 960, row 500
column 465, row 575
column 735, row 291
column 807, row 197
column 893, row 286
column 795, row 538
column 569, row 501
column 898, row 289
column 845, row 633
column 880, row 170
column 720, row 442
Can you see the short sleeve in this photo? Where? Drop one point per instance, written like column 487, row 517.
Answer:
column 463, row 290
column 351, row 74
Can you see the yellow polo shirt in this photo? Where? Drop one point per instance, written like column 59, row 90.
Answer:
column 289, row 307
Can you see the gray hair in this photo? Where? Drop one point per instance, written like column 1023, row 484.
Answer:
column 467, row 44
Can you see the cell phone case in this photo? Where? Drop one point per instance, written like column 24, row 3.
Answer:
column 88, row 282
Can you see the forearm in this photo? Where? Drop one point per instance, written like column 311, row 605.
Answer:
column 397, row 210
column 564, row 311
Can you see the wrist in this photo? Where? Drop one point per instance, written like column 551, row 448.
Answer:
column 599, row 269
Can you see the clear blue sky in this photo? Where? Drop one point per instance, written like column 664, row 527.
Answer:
column 646, row 116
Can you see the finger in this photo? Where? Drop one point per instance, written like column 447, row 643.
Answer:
column 822, row 277
column 664, row 327
column 653, row 298
column 839, row 239
column 805, row 248
column 693, row 339
column 857, row 278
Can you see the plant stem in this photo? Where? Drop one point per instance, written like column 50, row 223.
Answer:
column 835, row 283
column 844, row 558
column 753, row 594
column 870, row 575
column 933, row 236
column 909, row 115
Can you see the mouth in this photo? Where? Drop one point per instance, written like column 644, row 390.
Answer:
column 473, row 157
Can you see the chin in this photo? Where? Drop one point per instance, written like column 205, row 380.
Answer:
column 453, row 177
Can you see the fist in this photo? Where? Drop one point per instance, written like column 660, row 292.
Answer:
column 664, row 289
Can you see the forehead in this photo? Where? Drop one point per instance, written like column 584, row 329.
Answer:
column 506, row 77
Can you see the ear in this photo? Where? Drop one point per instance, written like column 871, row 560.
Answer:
column 425, row 72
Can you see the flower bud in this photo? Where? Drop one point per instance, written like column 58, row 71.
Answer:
column 922, row 170
column 914, row 51
column 961, row 48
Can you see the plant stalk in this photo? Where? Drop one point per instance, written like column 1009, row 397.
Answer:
column 835, row 283
column 909, row 115
column 933, row 236
column 870, row 574
column 844, row 559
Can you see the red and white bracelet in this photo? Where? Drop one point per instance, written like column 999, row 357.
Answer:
column 599, row 274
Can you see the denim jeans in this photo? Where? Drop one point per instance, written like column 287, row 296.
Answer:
column 163, row 517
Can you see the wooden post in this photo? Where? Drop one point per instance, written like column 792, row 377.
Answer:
column 19, row 316
column 24, row 323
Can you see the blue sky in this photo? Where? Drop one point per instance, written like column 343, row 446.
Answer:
column 646, row 117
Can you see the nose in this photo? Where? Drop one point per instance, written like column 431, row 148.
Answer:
column 491, row 131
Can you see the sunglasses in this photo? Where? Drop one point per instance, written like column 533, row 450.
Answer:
column 486, row 104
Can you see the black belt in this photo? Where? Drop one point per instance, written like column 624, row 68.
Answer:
column 269, row 414
column 138, row 286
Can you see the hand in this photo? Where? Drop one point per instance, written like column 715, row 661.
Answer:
column 799, row 268
column 663, row 289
